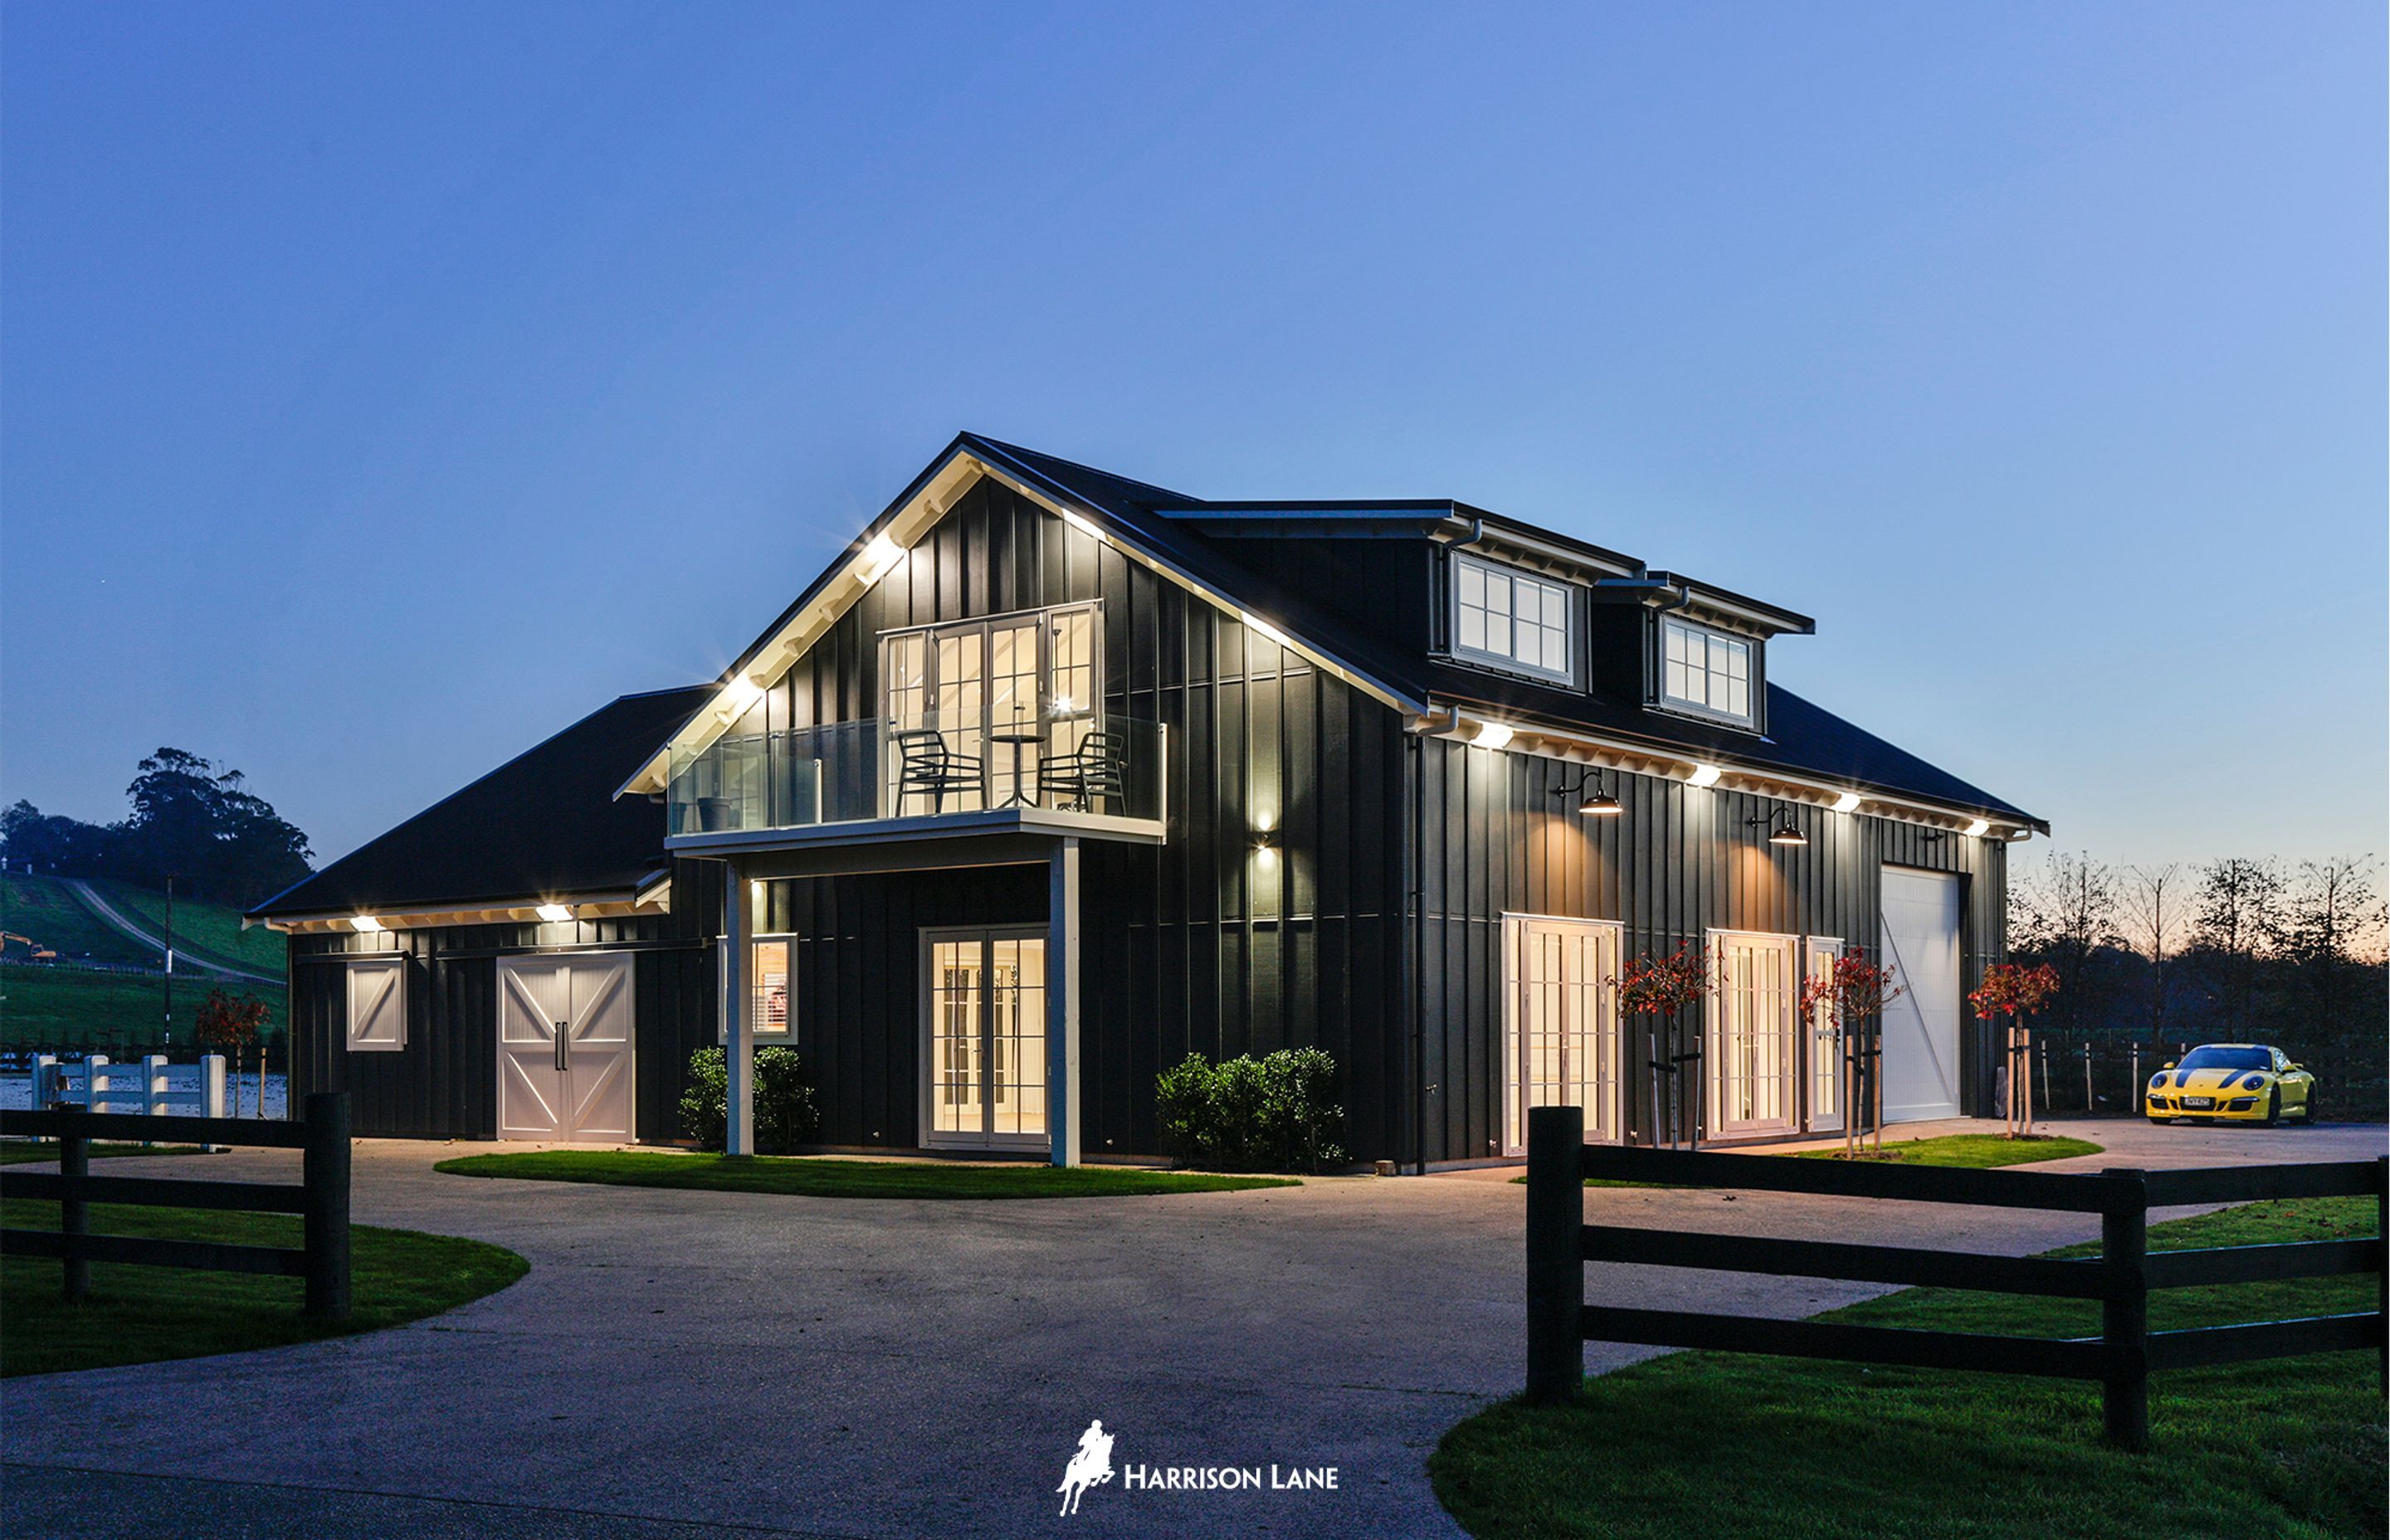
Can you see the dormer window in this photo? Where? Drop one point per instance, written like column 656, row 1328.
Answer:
column 1512, row 620
column 1706, row 671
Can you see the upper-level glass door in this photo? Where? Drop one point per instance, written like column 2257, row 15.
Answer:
column 985, row 704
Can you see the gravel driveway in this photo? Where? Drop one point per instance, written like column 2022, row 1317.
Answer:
column 681, row 1364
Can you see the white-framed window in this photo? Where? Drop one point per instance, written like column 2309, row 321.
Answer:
column 1706, row 671
column 772, row 983
column 1513, row 620
column 377, row 1004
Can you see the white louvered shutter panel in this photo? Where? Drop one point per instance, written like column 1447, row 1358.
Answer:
column 378, row 1005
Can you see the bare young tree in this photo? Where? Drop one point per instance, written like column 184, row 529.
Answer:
column 2237, row 925
column 2155, row 908
column 2062, row 915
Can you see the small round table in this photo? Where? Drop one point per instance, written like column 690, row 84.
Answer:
column 1019, row 740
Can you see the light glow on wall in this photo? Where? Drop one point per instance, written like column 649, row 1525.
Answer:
column 1491, row 735
column 366, row 924
column 555, row 914
column 1847, row 803
column 1704, row 775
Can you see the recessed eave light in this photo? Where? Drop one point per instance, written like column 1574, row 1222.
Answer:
column 1978, row 829
column 1847, row 803
column 1704, row 775
column 368, row 924
column 1491, row 735
column 555, row 914
column 1269, row 630
column 879, row 555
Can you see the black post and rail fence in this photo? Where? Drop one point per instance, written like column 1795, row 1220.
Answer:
column 320, row 1198
column 2121, row 1358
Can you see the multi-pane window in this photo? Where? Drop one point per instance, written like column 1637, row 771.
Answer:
column 769, row 979
column 1511, row 620
column 1705, row 671
column 1001, row 695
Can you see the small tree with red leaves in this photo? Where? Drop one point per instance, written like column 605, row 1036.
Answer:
column 1662, row 987
column 1850, row 991
column 2016, row 992
column 233, row 1022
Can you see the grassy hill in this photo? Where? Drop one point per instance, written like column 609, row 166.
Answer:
column 46, row 909
column 208, row 930
column 51, row 1006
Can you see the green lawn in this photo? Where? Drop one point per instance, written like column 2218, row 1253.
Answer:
column 1706, row 1443
column 1977, row 1150
column 43, row 909
column 44, row 1006
column 211, row 931
column 833, row 1178
column 17, row 1152
column 140, row 1314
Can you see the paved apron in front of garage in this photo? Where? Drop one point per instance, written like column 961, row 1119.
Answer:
column 680, row 1362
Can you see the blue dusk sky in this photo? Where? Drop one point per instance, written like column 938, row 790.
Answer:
column 384, row 386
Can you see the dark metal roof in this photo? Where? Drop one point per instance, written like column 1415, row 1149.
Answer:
column 1802, row 739
column 545, row 824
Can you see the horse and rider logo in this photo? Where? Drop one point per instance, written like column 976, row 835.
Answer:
column 1090, row 1466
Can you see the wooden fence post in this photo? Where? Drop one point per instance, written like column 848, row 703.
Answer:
column 75, row 1211
column 1555, row 1252
column 2125, row 1309
column 325, row 1166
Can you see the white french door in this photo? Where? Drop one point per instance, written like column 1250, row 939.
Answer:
column 565, row 1047
column 1561, row 1037
column 1007, row 692
column 1750, row 1056
column 983, row 1038
column 1823, row 1041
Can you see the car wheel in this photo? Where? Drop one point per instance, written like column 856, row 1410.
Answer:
column 2273, row 1118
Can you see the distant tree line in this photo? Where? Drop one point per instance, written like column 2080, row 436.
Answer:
column 2239, row 949
column 191, row 819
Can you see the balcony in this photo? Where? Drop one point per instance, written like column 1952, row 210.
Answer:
column 1101, row 776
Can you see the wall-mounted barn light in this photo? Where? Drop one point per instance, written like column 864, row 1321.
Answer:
column 1786, row 832
column 1597, row 799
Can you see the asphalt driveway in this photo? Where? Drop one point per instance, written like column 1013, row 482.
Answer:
column 683, row 1363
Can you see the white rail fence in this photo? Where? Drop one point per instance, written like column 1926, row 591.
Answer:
column 144, row 1087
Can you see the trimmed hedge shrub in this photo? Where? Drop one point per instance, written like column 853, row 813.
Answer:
column 1270, row 1113
column 785, row 1114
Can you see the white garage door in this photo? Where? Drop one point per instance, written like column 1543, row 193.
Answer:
column 564, row 1047
column 1921, row 1028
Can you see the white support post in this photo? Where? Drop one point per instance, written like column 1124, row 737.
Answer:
column 45, row 1081
column 212, row 1093
column 1062, row 1002
column 737, row 1035
column 94, row 1079
column 153, row 1084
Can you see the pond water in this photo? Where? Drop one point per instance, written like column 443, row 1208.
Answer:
column 183, row 1080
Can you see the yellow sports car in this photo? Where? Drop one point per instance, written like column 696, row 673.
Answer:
column 2232, row 1082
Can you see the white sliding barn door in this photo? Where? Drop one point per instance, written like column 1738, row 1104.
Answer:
column 1561, row 1037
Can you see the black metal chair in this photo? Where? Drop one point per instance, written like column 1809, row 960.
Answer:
column 1093, row 769
column 928, row 765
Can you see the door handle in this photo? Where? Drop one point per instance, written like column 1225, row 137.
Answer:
column 563, row 1050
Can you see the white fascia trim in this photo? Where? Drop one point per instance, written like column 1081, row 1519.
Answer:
column 791, row 641
column 655, row 899
column 1584, row 747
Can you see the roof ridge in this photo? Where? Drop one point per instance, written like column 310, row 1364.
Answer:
column 1162, row 493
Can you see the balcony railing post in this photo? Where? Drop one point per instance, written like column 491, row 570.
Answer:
column 2125, row 1310
column 1555, row 1252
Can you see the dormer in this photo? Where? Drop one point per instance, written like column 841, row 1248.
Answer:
column 1687, row 648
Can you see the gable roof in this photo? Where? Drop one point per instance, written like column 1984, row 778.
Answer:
column 544, row 825
column 1168, row 530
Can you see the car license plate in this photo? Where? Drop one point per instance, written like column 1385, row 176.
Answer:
column 2199, row 1101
